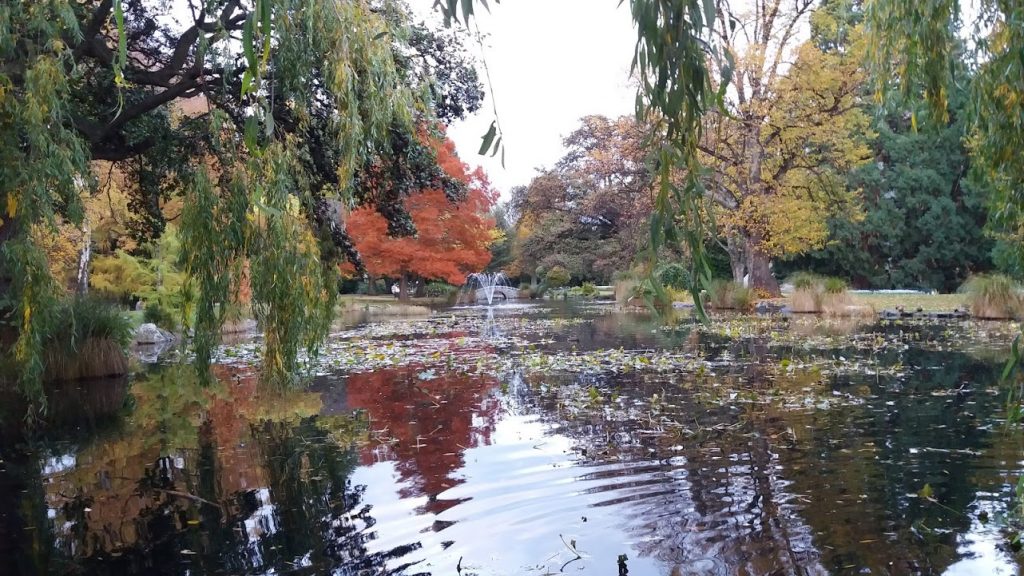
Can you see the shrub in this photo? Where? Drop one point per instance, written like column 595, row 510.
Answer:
column 588, row 290
column 806, row 300
column 742, row 298
column 993, row 296
column 674, row 275
column 379, row 287
column 82, row 318
column 720, row 293
column 814, row 294
column 557, row 277
column 440, row 289
column 625, row 291
column 727, row 295
column 156, row 313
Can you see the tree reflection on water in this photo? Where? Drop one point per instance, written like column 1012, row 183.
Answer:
column 233, row 479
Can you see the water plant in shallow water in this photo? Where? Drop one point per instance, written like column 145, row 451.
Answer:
column 727, row 295
column 993, row 296
column 89, row 341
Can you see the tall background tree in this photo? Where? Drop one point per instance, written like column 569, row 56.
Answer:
column 588, row 214
column 791, row 125
column 923, row 219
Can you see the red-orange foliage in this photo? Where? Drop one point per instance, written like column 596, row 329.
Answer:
column 451, row 240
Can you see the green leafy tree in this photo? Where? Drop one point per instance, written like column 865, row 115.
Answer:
column 261, row 139
column 923, row 220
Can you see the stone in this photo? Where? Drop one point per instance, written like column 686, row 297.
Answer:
column 151, row 334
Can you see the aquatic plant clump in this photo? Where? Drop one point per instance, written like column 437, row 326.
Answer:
column 89, row 341
column 993, row 296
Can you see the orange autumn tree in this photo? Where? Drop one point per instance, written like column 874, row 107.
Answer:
column 452, row 238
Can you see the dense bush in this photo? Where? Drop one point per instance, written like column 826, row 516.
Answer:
column 440, row 289
column 587, row 290
column 557, row 277
column 379, row 285
column 156, row 313
column 674, row 275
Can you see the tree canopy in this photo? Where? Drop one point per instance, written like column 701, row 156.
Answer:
column 261, row 117
column 588, row 213
column 451, row 240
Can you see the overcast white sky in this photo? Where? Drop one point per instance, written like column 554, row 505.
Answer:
column 551, row 62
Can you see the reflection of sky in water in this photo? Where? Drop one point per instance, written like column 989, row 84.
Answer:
column 263, row 521
column 983, row 546
column 522, row 498
column 59, row 464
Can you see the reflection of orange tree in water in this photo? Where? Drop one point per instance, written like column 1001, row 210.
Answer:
column 428, row 420
column 219, row 479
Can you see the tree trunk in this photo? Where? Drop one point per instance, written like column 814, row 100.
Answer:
column 403, row 285
column 759, row 268
column 83, row 258
column 371, row 285
column 737, row 261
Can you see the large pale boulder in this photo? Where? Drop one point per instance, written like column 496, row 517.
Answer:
column 151, row 334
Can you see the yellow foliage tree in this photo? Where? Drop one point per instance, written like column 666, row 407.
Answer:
column 793, row 125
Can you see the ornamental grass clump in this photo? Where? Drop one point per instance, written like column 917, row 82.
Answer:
column 814, row 294
column 807, row 293
column 88, row 341
column 993, row 296
column 726, row 295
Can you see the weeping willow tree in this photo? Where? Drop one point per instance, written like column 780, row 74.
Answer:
column 264, row 117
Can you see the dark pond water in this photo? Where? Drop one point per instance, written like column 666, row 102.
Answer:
column 536, row 441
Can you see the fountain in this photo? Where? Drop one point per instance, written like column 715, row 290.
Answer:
column 490, row 283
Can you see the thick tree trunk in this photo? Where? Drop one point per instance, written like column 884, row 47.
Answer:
column 371, row 285
column 403, row 287
column 737, row 259
column 759, row 268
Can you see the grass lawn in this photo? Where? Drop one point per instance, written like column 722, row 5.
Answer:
column 880, row 302
column 386, row 305
column 913, row 302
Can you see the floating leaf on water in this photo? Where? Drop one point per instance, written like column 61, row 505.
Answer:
column 926, row 492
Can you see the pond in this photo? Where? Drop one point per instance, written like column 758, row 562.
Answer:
column 534, row 439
